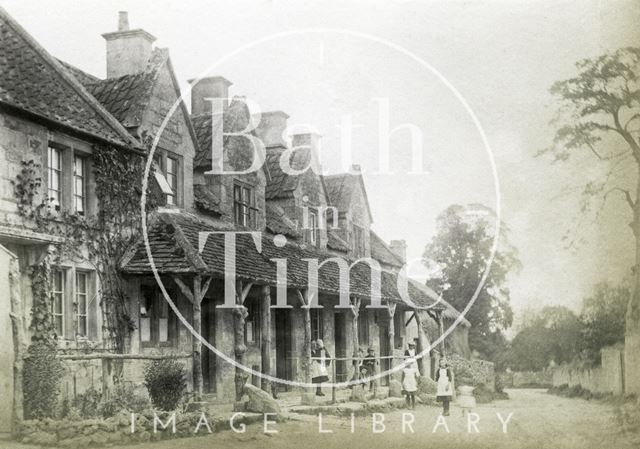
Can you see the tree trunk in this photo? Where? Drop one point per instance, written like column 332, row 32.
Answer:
column 392, row 335
column 306, row 317
column 632, row 331
column 265, row 312
column 239, row 315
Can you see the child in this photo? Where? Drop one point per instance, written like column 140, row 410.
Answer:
column 410, row 383
column 321, row 360
column 466, row 399
column 443, row 379
column 369, row 364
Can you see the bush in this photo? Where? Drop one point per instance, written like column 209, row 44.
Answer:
column 124, row 398
column 165, row 382
column 88, row 403
column 41, row 381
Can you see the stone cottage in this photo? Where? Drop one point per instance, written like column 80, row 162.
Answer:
column 53, row 116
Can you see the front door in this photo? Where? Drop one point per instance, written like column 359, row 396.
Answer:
column 208, row 357
column 340, row 332
column 284, row 366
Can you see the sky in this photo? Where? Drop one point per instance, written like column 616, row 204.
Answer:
column 433, row 62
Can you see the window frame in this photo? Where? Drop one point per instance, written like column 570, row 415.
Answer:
column 78, row 311
column 245, row 210
column 159, row 310
column 56, row 150
column 172, row 180
column 314, row 229
column 317, row 323
column 83, row 182
column 62, row 296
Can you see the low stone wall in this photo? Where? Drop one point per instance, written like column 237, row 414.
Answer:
column 606, row 378
column 116, row 431
column 527, row 379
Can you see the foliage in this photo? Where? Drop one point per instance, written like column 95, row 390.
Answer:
column 627, row 417
column 599, row 116
column 41, row 381
column 457, row 257
column 603, row 316
column 124, row 398
column 106, row 235
column 552, row 335
column 88, row 403
column 42, row 327
column 471, row 372
column 165, row 382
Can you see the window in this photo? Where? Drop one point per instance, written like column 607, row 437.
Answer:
column 244, row 205
column 252, row 329
column 57, row 305
column 82, row 305
column 158, row 323
column 79, row 184
column 54, row 163
column 172, row 180
column 358, row 241
column 363, row 328
column 314, row 236
column 317, row 324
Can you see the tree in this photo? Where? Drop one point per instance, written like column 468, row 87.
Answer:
column 600, row 114
column 603, row 316
column 457, row 257
column 552, row 334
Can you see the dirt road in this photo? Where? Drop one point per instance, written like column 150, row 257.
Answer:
column 538, row 420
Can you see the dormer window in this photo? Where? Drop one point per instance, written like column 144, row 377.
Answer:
column 172, row 179
column 244, row 205
column 314, row 235
column 167, row 175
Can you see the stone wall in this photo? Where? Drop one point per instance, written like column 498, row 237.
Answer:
column 606, row 378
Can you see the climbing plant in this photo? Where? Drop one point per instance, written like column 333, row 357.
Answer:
column 102, row 239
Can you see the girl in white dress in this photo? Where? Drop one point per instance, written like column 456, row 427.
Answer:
column 445, row 391
column 410, row 383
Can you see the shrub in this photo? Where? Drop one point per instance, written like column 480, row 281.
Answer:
column 124, row 398
column 165, row 382
column 88, row 403
column 41, row 381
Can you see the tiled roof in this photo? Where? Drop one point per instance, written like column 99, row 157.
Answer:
column 279, row 223
column 281, row 184
column 34, row 81
column 82, row 76
column 238, row 149
column 126, row 97
column 340, row 190
column 334, row 241
column 174, row 239
column 206, row 200
column 381, row 251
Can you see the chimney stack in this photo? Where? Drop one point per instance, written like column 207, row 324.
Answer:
column 271, row 129
column 128, row 51
column 399, row 248
column 209, row 87
column 311, row 140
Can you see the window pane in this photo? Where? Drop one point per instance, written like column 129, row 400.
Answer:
column 145, row 329
column 82, row 326
column 163, row 329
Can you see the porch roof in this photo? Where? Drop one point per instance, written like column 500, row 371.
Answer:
column 174, row 240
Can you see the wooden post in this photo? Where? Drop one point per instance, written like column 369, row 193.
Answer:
column 391, row 309
column 239, row 347
column 422, row 345
column 441, row 331
column 355, row 310
column 265, row 312
column 305, row 300
column 196, row 296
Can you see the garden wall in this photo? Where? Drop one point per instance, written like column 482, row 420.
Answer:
column 606, row 378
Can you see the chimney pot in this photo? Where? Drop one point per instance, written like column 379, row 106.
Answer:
column 208, row 87
column 128, row 51
column 123, row 21
column 355, row 168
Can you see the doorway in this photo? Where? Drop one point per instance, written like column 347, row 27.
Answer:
column 208, row 357
column 284, row 354
column 340, row 332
